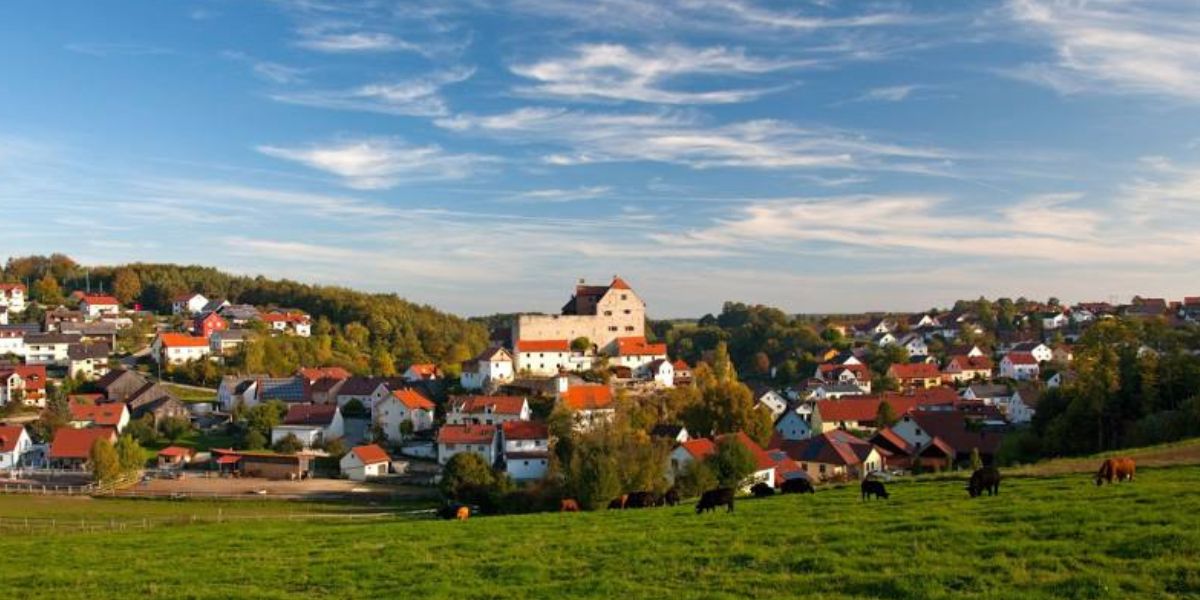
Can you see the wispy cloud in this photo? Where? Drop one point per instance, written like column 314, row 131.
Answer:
column 380, row 163
column 420, row 96
column 617, row 72
column 893, row 93
column 1138, row 46
column 556, row 195
column 267, row 70
column 324, row 40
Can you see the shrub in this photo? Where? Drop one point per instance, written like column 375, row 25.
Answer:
column 289, row 444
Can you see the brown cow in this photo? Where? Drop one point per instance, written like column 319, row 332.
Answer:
column 569, row 505
column 1115, row 470
column 462, row 513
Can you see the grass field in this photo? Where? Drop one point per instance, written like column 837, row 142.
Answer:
column 1046, row 536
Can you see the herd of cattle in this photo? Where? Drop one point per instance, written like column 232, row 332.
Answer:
column 985, row 479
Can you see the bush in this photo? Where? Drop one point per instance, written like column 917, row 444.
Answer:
column 174, row 428
column 289, row 444
column 695, row 479
column 254, row 440
column 732, row 463
column 354, row 408
column 467, row 478
column 130, row 457
column 336, row 447
column 106, row 466
column 143, row 430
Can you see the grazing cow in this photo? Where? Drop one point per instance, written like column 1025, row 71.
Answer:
column 711, row 499
column 641, row 500
column 798, row 486
column 874, row 488
column 462, row 513
column 762, row 490
column 1116, row 470
column 986, row 479
column 618, row 502
column 671, row 497
column 568, row 505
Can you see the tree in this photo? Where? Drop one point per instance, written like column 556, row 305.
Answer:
column 143, row 430
column 174, row 428
column 46, row 290
column 130, row 457
column 336, row 447
column 354, row 408
column 127, row 286
column 885, row 415
column 581, row 344
column 695, row 479
column 289, row 444
column 254, row 440
column 106, row 466
column 266, row 416
column 467, row 477
column 731, row 463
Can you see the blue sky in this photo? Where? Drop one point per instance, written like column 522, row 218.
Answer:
column 481, row 156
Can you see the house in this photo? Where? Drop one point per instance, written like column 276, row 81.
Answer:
column 860, row 413
column 770, row 400
column 884, row 339
column 493, row 366
column 677, row 434
column 597, row 312
column 15, row 444
column 636, row 354
column 851, row 373
column 876, row 326
column 487, row 410
column 1041, row 352
column 1063, row 354
column 94, row 331
column 1022, row 405
column 543, row 357
column 526, row 447
column 206, row 324
column 49, row 348
column 916, row 375
column 963, row 368
column 363, row 462
column 315, row 374
column 23, row 383
column 422, row 372
column 178, row 348
column 94, row 306
column 480, row 439
column 947, row 437
column 914, row 344
column 186, row 304
column 661, row 372
column 114, row 415
column 1061, row 378
column 294, row 323
column 12, row 297
column 88, row 361
column 227, row 341
column 820, row 390
column 1054, row 320
column 369, row 391
column 1021, row 366
column 991, row 394
column 174, row 457
column 238, row 314
column 71, row 448
column 12, row 341
column 792, row 425
column 701, row 448
column 312, row 424
column 404, row 406
column 589, row 403
column 834, row 455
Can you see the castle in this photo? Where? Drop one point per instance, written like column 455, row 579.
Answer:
column 600, row 313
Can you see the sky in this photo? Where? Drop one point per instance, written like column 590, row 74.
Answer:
column 482, row 156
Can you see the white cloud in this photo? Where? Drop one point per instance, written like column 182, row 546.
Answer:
column 894, row 93
column 323, row 40
column 270, row 71
column 617, row 72
column 414, row 97
column 379, row 163
column 555, row 195
column 1142, row 46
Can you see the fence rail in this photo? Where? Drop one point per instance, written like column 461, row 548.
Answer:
column 67, row 525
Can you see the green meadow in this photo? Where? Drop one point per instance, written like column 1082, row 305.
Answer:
column 1045, row 536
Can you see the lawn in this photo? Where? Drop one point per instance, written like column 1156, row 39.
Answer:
column 1051, row 536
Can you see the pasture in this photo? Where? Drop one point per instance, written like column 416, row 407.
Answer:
column 1050, row 536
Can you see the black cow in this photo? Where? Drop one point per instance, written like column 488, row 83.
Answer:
column 711, row 499
column 641, row 500
column 984, row 479
column 762, row 490
column 618, row 502
column 671, row 497
column 874, row 488
column 798, row 486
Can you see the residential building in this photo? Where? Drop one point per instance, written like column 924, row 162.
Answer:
column 636, row 354
column 1021, row 366
column 178, row 348
column 206, row 324
column 916, row 375
column 545, row 357
column 701, row 448
column 486, row 410
column 404, row 406
column 88, row 361
column 590, row 403
column 1041, row 352
column 186, row 304
column 312, row 424
column 793, row 426
column 174, row 457
column 422, row 372
column 963, row 368
column 661, row 372
column 225, row 342
column 49, row 348
column 71, row 448
column 834, row 455
column 526, row 447
column 480, row 439
column 25, row 383
column 94, row 306
column 15, row 445
column 364, row 462
column 493, row 366
column 12, row 297
column 109, row 414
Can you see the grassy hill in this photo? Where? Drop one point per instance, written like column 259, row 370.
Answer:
column 1055, row 535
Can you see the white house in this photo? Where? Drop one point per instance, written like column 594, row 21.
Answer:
column 526, row 449
column 15, row 443
column 494, row 365
column 884, row 339
column 914, row 343
column 178, row 348
column 480, row 439
column 12, row 297
column 108, row 414
column 94, row 306
column 487, row 410
column 701, row 448
column 1022, row 405
column 1040, row 351
column 188, row 304
column 368, row 391
column 1054, row 321
column 49, row 348
column 401, row 406
column 311, row 424
column 364, row 462
column 543, row 357
column 1021, row 366
column 12, row 342
column 793, row 426
column 88, row 361
column 771, row 400
column 636, row 353
column 661, row 372
column 590, row 403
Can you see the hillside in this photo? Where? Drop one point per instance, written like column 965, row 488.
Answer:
column 1043, row 537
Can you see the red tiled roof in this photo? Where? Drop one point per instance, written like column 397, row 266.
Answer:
column 915, row 371
column 762, row 460
column 101, row 299
column 618, row 284
column 34, row 375
column 181, row 340
column 503, row 405
column 543, row 346
column 370, row 454
column 176, row 451
column 681, row 365
column 310, row 414
column 699, row 448
column 832, row 447
column 525, row 430
column 77, row 443
column 228, row 459
column 466, row 434
column 412, row 399
column 970, row 363
column 9, row 436
column 864, row 409
column 637, row 346
column 588, row 397
column 424, row 369
column 860, row 371
column 98, row 414
column 1021, row 358
column 317, row 373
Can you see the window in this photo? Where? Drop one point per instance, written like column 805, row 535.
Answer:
column 629, row 328
column 627, row 311
column 612, row 328
column 608, row 313
column 624, row 296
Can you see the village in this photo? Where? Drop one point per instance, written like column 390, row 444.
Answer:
column 838, row 423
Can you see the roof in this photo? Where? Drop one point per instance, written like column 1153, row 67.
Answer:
column 699, row 448
column 681, row 365
column 466, row 434
column 86, row 351
column 588, row 397
column 52, row 338
column 188, row 297
column 666, row 430
column 951, row 427
column 370, row 454
column 501, row 405
column 915, row 371
column 34, row 375
column 423, row 369
column 176, row 451
column 762, row 460
column 525, row 430
column 310, row 414
column 971, row 363
column 638, row 346
column 864, row 408
column 181, row 340
column 99, row 414
column 360, row 386
column 412, row 399
column 494, row 353
column 832, row 447
column 990, row 390
column 1021, row 358
column 543, row 346
column 77, row 443
column 100, row 300
column 8, row 287
column 9, row 436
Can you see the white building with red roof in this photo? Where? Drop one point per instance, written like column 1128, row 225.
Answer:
column 71, row 447
column 186, row 304
column 1021, row 366
column 600, row 313
column 94, row 306
column 487, row 410
column 178, row 348
column 699, row 449
column 526, row 447
column 364, row 462
column 492, row 367
column 637, row 354
column 24, row 382
column 483, row 440
column 546, row 357
column 590, row 404
column 108, row 414
column 422, row 372
column 15, row 443
column 12, row 297
column 405, row 405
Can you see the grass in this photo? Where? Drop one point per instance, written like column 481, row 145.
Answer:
column 1048, row 536
column 190, row 393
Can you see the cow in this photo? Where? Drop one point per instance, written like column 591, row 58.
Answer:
column 986, row 479
column 462, row 513
column 711, row 499
column 762, row 490
column 641, row 500
column 568, row 505
column 799, row 485
column 671, row 497
column 873, row 488
column 1116, row 470
column 618, row 502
